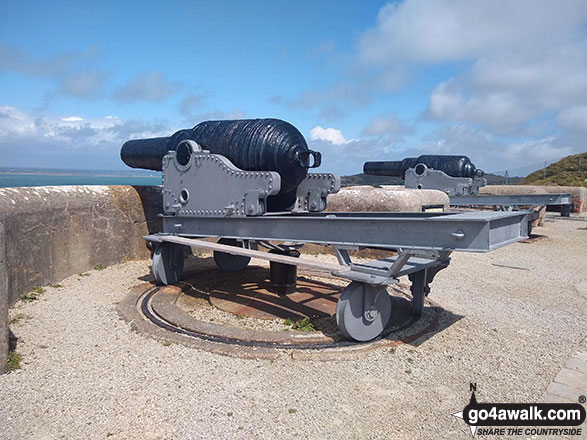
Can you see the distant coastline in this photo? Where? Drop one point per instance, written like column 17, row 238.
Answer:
column 66, row 172
column 11, row 177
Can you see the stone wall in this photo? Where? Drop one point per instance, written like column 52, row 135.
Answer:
column 50, row 233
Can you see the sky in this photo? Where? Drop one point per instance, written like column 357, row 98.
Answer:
column 504, row 82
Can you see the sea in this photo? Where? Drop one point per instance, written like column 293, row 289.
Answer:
column 17, row 177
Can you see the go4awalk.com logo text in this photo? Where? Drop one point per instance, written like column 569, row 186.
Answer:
column 524, row 419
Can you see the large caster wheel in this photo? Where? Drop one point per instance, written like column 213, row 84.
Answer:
column 167, row 263
column 363, row 311
column 229, row 262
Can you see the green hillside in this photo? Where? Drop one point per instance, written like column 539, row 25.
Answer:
column 569, row 171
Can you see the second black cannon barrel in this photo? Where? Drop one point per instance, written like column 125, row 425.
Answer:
column 455, row 166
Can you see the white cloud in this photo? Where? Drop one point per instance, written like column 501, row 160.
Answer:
column 517, row 60
column 83, row 85
column 146, row 86
column 331, row 135
column 433, row 31
column 501, row 111
column 491, row 152
column 390, row 126
column 70, row 133
column 13, row 122
column 574, row 118
column 348, row 158
column 70, row 70
column 535, row 151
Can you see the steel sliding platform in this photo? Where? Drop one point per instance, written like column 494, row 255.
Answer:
column 420, row 245
column 506, row 202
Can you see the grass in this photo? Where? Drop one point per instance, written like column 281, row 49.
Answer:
column 57, row 286
column 303, row 325
column 14, row 360
column 29, row 297
column 33, row 294
column 99, row 267
column 17, row 318
column 565, row 172
column 82, row 274
column 166, row 343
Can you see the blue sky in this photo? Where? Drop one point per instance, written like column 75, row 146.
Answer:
column 503, row 82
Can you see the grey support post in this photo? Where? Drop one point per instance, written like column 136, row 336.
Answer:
column 421, row 285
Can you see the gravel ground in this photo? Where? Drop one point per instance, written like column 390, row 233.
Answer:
column 86, row 375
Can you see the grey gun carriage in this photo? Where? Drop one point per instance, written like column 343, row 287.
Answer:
column 246, row 182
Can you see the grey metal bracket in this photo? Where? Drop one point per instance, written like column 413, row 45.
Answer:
column 388, row 270
column 312, row 192
column 342, row 254
column 209, row 185
column 421, row 284
column 282, row 247
column 422, row 177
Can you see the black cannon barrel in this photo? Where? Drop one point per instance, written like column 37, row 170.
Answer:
column 250, row 144
column 455, row 166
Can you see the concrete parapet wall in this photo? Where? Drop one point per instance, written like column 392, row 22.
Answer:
column 50, row 233
column 578, row 193
column 387, row 198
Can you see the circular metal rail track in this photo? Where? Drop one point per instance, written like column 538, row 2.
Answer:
column 146, row 308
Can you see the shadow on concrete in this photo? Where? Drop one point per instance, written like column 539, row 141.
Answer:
column 533, row 238
column 152, row 203
column 248, row 293
column 12, row 341
column 415, row 336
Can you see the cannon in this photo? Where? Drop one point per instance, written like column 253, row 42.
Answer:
column 455, row 175
column 461, row 179
column 247, row 184
column 249, row 144
column 455, row 166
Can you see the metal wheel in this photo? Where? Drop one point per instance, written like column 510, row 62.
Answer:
column 167, row 263
column 363, row 311
column 228, row 262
